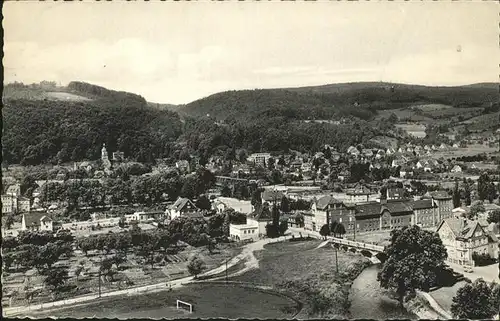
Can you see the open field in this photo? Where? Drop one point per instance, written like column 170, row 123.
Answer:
column 209, row 301
column 413, row 130
column 65, row 96
column 471, row 150
column 308, row 274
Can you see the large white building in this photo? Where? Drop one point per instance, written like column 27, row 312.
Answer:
column 259, row 158
column 240, row 232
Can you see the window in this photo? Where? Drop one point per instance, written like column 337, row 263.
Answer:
column 340, row 220
column 357, row 226
column 350, row 218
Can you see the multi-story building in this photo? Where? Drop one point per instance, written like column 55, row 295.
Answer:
column 12, row 203
column 425, row 213
column 259, row 158
column 322, row 207
column 444, row 204
column 395, row 212
column 462, row 238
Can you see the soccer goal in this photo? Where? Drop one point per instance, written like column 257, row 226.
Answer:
column 184, row 305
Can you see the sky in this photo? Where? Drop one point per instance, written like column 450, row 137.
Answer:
column 177, row 52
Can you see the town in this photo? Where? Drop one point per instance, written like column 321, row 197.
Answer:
column 76, row 216
column 251, row 160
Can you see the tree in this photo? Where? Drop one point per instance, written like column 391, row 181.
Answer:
column 340, row 229
column 467, row 191
column 456, row 195
column 225, row 191
column 324, row 231
column 9, row 221
column 414, row 257
column 474, row 301
column 285, row 205
column 495, row 297
column 494, row 217
column 333, row 228
column 283, row 227
column 195, row 266
column 78, row 271
column 483, row 187
column 203, row 203
column 55, row 277
column 475, row 209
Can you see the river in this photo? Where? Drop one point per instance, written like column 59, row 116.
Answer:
column 368, row 301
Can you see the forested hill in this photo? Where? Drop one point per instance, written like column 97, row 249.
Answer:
column 361, row 100
column 58, row 130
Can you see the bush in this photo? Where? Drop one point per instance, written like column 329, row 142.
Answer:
column 482, row 259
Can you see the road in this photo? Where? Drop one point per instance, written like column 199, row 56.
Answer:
column 246, row 254
column 488, row 273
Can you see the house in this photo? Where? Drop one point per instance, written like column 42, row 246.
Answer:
column 118, row 156
column 14, row 190
column 240, row 232
column 462, row 238
column 259, row 158
column 455, row 145
column 367, row 152
column 272, row 196
column 358, row 194
column 260, row 218
column 443, row 146
column 145, row 216
column 405, row 171
column 352, row 150
column 390, row 151
column 181, row 207
column 36, row 222
column 394, row 193
column 321, row 209
column 223, row 203
column 398, row 162
column 183, row 166
column 456, row 169
column 433, row 147
column 419, row 165
column 306, row 167
column 309, row 222
column 427, row 148
column 400, row 150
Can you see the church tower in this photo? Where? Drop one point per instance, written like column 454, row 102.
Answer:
column 105, row 158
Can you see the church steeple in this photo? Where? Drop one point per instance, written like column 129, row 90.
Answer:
column 104, row 153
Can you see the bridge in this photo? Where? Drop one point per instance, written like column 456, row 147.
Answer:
column 366, row 249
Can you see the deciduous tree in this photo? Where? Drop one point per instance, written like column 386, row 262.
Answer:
column 474, row 301
column 413, row 258
column 195, row 266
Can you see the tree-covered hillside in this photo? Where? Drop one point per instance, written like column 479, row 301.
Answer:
column 39, row 131
column 361, row 100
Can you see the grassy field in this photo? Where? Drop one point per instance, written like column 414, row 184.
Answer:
column 444, row 295
column 209, row 301
column 414, row 130
column 309, row 275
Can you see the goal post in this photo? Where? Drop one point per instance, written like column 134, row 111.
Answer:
column 184, row 305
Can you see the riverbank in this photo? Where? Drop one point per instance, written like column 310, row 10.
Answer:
column 309, row 274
